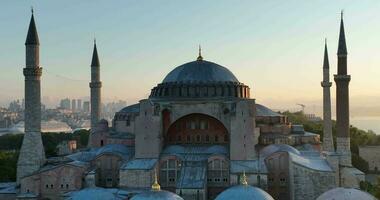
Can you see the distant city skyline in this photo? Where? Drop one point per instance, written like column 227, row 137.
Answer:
column 278, row 55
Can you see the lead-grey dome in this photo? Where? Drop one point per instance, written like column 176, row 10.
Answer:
column 340, row 193
column 157, row 195
column 200, row 79
column 244, row 192
column 200, row 71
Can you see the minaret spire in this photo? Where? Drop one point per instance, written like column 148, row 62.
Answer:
column 327, row 123
column 95, row 93
column 342, row 48
column 32, row 154
column 342, row 81
column 32, row 36
column 95, row 59
column 326, row 64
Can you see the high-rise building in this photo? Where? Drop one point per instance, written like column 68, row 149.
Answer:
column 32, row 154
column 65, row 104
column 79, row 102
column 86, row 106
column 73, row 105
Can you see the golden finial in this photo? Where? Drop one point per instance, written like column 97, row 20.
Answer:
column 200, row 53
column 156, row 186
column 243, row 179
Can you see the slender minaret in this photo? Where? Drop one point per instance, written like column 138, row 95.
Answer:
column 327, row 124
column 32, row 154
column 95, row 86
column 342, row 104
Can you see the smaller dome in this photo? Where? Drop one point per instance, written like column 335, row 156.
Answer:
column 244, row 192
column 157, row 195
column 345, row 194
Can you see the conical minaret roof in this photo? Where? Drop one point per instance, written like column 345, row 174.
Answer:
column 95, row 59
column 32, row 37
column 342, row 48
column 326, row 64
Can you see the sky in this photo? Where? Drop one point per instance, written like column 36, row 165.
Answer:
column 275, row 47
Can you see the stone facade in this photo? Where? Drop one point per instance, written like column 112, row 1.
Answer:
column 53, row 183
column 309, row 184
column 287, row 179
column 136, row 178
column 107, row 170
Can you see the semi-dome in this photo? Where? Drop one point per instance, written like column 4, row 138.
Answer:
column 244, row 192
column 345, row 194
column 200, row 79
column 200, row 71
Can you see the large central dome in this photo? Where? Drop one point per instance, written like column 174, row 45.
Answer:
column 198, row 80
column 200, row 71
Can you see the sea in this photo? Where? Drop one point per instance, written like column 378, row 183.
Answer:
column 367, row 123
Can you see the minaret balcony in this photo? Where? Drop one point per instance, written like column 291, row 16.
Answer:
column 32, row 71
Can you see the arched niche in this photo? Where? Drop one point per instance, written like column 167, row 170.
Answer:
column 197, row 129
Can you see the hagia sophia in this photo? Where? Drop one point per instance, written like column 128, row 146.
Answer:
column 199, row 135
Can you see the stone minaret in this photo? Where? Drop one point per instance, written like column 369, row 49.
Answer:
column 327, row 124
column 32, row 154
column 95, row 86
column 342, row 104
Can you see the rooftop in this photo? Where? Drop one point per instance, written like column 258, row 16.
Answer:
column 200, row 71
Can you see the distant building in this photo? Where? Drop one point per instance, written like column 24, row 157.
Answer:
column 65, row 104
column 73, row 105
column 312, row 117
column 67, row 147
column 15, row 106
column 86, row 106
column 79, row 107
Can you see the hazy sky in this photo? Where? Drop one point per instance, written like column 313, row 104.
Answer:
column 275, row 47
